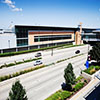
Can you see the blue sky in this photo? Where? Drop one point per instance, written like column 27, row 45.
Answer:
column 67, row 13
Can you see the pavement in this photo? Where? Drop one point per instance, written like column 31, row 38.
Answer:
column 84, row 92
column 42, row 83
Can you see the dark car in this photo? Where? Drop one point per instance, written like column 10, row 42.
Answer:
column 38, row 54
column 78, row 51
column 89, row 58
column 38, row 62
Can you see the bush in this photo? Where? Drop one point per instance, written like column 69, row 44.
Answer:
column 11, row 64
column 19, row 62
column 85, row 81
column 78, row 86
column 78, row 79
column 97, row 67
column 92, row 71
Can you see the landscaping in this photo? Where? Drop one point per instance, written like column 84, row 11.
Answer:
column 34, row 50
column 71, row 86
column 92, row 69
column 2, row 78
column 20, row 62
column 65, row 94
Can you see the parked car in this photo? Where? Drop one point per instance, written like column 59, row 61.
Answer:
column 38, row 54
column 77, row 51
column 38, row 62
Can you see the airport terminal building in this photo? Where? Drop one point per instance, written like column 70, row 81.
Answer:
column 34, row 35
column 24, row 35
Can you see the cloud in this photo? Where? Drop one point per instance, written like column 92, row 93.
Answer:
column 12, row 5
column 17, row 9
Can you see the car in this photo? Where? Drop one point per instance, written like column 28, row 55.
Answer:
column 38, row 62
column 77, row 51
column 89, row 58
column 38, row 54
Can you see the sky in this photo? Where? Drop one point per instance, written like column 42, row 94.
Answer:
column 61, row 13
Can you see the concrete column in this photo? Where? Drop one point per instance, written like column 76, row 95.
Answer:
column 1, row 51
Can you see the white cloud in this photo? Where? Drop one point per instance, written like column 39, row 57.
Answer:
column 12, row 5
column 17, row 9
column 9, row 2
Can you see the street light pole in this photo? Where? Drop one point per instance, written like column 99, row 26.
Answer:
column 52, row 44
column 9, row 43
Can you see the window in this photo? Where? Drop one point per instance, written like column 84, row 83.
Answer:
column 51, row 37
column 22, row 42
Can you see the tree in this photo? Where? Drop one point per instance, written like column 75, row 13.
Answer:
column 17, row 92
column 69, row 76
column 95, row 52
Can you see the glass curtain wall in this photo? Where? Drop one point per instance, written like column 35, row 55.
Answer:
column 50, row 37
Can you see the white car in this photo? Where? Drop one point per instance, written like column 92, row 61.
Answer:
column 38, row 62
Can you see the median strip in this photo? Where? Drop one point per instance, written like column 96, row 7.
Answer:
column 20, row 62
column 2, row 78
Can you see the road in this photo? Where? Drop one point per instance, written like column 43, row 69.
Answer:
column 42, row 83
column 20, row 57
column 58, row 54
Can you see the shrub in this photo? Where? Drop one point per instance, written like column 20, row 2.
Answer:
column 19, row 62
column 85, row 81
column 78, row 86
column 11, row 64
column 78, row 79
column 65, row 94
column 97, row 67
column 2, row 66
column 88, row 70
column 92, row 71
column 59, row 95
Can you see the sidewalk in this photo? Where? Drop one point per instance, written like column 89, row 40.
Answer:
column 86, row 90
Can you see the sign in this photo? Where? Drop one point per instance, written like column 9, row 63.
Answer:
column 87, row 64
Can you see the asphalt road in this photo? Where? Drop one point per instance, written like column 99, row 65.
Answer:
column 58, row 54
column 42, row 83
column 20, row 57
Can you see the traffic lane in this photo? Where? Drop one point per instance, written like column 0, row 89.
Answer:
column 16, row 68
column 45, row 59
column 28, row 78
column 31, row 55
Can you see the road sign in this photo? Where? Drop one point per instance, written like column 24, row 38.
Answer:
column 87, row 64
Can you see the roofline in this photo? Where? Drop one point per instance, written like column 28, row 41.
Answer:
column 61, row 27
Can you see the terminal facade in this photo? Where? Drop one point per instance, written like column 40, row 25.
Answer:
column 23, row 35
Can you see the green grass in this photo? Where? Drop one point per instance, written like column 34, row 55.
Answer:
column 60, row 95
